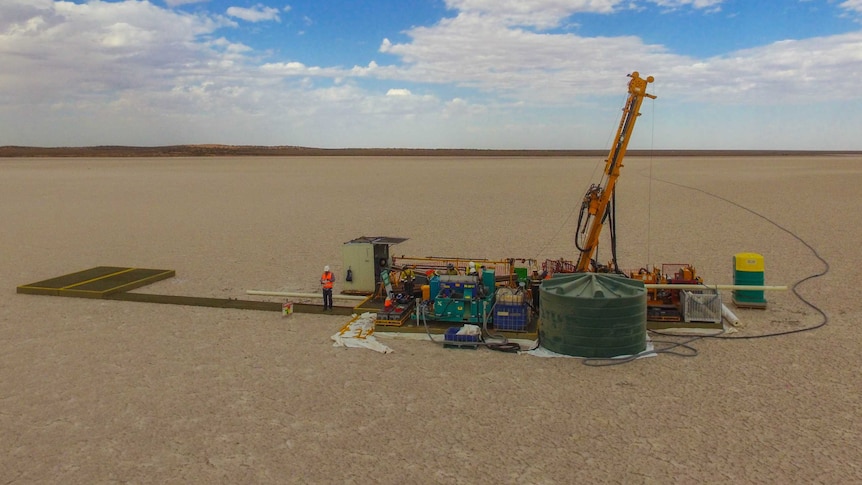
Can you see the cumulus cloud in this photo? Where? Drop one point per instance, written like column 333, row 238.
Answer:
column 163, row 72
column 398, row 92
column 372, row 69
column 298, row 69
column 176, row 3
column 852, row 6
column 472, row 52
column 15, row 5
column 711, row 5
column 538, row 13
column 257, row 13
column 461, row 108
column 80, row 53
column 792, row 70
column 491, row 53
column 546, row 14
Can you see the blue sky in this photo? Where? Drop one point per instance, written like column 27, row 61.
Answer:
column 522, row 74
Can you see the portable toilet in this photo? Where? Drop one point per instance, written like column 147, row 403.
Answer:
column 748, row 270
column 364, row 259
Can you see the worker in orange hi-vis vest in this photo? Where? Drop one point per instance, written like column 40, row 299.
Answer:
column 326, row 281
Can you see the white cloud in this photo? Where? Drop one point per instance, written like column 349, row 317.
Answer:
column 74, row 51
column 474, row 51
column 371, row 70
column 852, row 5
column 398, row 92
column 298, row 69
column 461, row 108
column 545, row 14
column 13, row 5
column 258, row 13
column 821, row 68
column 470, row 51
column 711, row 5
column 538, row 13
column 152, row 75
column 176, row 3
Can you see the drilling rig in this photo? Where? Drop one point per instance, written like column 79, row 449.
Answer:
column 598, row 207
column 598, row 204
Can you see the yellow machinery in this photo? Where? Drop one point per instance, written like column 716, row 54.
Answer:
column 663, row 303
column 598, row 198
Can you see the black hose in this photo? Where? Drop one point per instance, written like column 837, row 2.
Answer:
column 509, row 347
column 584, row 207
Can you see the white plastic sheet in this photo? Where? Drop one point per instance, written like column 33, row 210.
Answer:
column 470, row 329
column 359, row 333
column 543, row 352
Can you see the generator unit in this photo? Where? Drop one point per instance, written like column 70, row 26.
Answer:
column 462, row 298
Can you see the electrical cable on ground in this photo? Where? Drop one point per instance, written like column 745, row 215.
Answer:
column 794, row 288
column 669, row 349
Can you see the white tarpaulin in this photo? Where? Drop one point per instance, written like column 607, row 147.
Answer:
column 543, row 352
column 359, row 332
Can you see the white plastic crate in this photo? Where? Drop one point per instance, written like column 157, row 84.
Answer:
column 701, row 305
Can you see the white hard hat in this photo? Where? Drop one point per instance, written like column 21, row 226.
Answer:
column 326, row 268
column 472, row 264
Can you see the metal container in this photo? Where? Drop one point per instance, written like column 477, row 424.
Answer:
column 700, row 305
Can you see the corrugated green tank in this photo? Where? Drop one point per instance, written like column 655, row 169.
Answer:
column 593, row 315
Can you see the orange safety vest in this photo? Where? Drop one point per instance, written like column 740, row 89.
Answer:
column 326, row 280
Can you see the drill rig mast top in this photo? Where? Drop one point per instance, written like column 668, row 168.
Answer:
column 599, row 197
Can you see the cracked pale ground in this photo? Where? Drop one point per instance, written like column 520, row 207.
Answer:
column 96, row 391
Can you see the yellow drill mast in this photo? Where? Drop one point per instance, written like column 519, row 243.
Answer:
column 598, row 197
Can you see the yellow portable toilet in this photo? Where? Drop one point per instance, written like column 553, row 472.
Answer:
column 748, row 270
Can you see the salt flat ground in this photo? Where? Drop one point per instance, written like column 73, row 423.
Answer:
column 96, row 391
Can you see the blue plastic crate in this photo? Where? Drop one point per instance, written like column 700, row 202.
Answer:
column 451, row 335
column 510, row 317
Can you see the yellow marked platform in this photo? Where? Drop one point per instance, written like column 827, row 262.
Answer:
column 98, row 282
column 115, row 283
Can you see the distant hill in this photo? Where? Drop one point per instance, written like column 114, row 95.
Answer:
column 283, row 151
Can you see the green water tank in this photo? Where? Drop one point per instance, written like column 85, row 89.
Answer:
column 593, row 315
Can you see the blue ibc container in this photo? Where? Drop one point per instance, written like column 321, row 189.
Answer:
column 511, row 317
